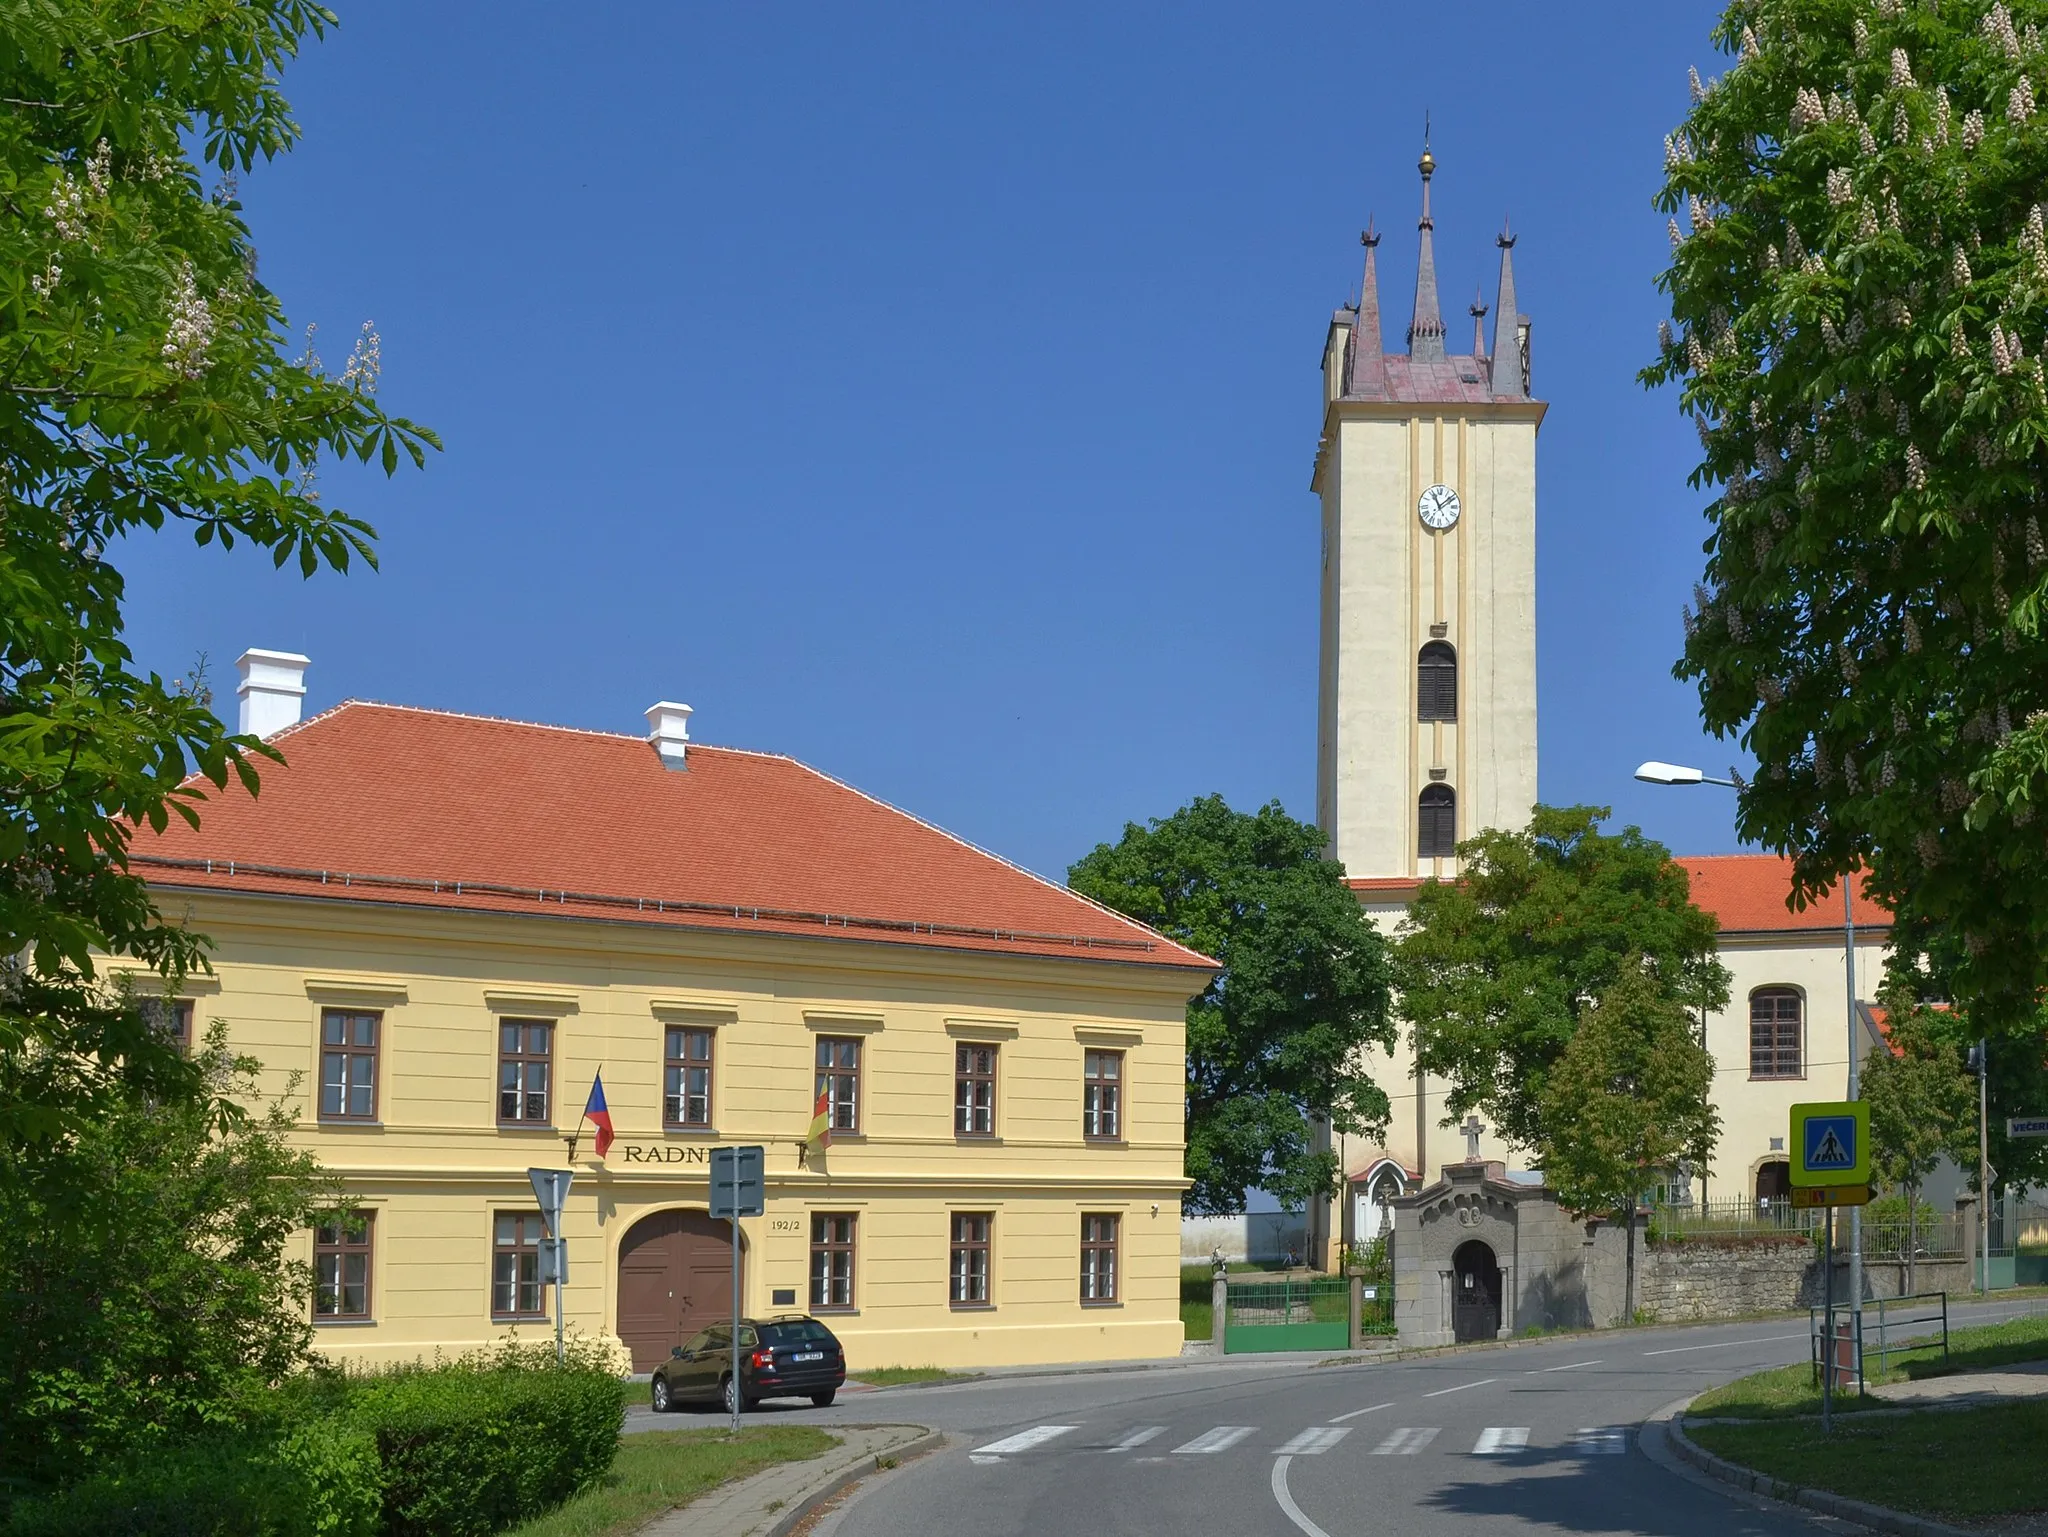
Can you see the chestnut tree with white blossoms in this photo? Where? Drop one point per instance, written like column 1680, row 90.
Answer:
column 1859, row 295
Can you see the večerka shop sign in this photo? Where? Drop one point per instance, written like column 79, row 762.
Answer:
column 636, row 1153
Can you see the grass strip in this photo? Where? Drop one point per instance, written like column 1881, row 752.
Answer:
column 1951, row 1464
column 661, row 1469
column 897, row 1376
column 1786, row 1391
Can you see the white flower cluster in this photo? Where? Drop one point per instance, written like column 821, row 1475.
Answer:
column 191, row 329
column 66, row 208
column 1942, row 111
column 1702, row 217
column 1959, row 344
column 365, row 361
column 1902, row 70
column 1807, row 110
column 1959, row 268
column 1694, row 89
column 45, row 282
column 1663, row 336
column 1866, row 141
column 1677, row 235
column 99, row 170
column 1997, row 27
column 2019, row 103
column 1862, row 36
column 1973, row 129
column 2004, row 356
column 2034, row 245
column 1841, row 191
column 1749, row 50
column 1866, row 221
column 1902, row 126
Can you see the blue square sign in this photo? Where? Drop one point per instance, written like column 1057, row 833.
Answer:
column 1831, row 1144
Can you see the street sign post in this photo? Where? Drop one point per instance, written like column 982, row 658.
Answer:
column 1830, row 1143
column 2026, row 1126
column 738, row 1189
column 551, row 1189
column 1830, row 1195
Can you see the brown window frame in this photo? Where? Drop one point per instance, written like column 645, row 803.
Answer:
column 964, row 1246
column 1093, row 1085
column 1093, row 1243
column 830, row 1247
column 967, row 1078
column 350, row 1051
column 333, row 1241
column 1436, row 683
column 528, row 1230
column 676, row 1067
column 1436, row 822
column 1775, row 1053
column 840, row 1082
column 171, row 1017
column 520, row 1059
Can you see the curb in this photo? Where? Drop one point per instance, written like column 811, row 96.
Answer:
column 1876, row 1517
column 800, row 1505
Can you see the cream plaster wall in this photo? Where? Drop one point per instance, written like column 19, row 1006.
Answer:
column 437, row 1165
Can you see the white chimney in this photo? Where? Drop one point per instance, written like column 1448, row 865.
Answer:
column 669, row 729
column 272, row 688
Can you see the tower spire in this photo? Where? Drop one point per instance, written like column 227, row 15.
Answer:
column 1426, row 330
column 1510, row 331
column 1478, row 314
column 1368, row 371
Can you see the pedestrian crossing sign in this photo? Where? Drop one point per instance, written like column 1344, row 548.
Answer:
column 1832, row 1143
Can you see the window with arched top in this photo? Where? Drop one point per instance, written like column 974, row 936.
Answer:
column 1777, row 1021
column 1436, row 831
column 1436, row 682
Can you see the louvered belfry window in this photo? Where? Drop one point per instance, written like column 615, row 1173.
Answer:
column 1436, row 682
column 1437, row 823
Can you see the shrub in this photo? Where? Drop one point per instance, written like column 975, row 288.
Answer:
column 469, row 1448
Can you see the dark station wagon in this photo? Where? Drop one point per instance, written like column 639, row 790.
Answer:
column 788, row 1356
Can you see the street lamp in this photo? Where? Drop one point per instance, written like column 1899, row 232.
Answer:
column 1657, row 773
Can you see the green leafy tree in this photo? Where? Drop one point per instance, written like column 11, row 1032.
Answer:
column 1276, row 1042
column 1497, row 968
column 1860, row 287
column 1628, row 1098
column 146, row 1283
column 144, row 384
column 1921, row 1098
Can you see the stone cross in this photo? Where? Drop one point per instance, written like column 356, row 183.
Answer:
column 1472, row 1130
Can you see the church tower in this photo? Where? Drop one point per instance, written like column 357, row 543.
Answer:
column 1427, row 475
column 1427, row 708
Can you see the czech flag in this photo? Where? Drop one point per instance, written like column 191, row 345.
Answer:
column 821, row 1121
column 599, row 1114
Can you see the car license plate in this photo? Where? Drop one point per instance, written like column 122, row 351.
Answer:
column 808, row 1355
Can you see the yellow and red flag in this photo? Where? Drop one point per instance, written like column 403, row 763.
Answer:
column 820, row 1136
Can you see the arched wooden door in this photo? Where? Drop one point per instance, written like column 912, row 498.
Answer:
column 675, row 1277
column 1475, row 1299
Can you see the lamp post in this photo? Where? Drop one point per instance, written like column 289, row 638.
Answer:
column 1656, row 773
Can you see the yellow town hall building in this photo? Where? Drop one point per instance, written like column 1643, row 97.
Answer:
column 435, row 930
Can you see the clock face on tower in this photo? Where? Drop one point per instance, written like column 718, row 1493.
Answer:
column 1438, row 507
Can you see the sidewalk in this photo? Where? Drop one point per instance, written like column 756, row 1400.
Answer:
column 1967, row 1390
column 774, row 1499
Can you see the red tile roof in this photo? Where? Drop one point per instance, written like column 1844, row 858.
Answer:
column 391, row 804
column 1748, row 893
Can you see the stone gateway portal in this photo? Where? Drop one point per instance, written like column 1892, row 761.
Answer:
column 1475, row 1297
column 675, row 1277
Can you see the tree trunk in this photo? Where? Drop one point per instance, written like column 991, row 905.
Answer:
column 1912, row 1231
column 1628, row 1293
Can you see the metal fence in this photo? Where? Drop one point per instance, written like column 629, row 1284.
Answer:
column 1304, row 1313
column 1734, row 1216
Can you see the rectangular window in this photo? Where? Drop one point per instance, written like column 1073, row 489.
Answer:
column 832, row 1260
column 525, row 1054
column 341, row 1266
column 1098, row 1258
column 1102, row 1075
column 348, row 1064
column 839, row 1080
column 516, row 1291
column 686, row 1078
column 171, row 1018
column 970, row 1258
column 974, row 1091
column 1774, row 1032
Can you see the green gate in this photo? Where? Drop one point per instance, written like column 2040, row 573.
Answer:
column 1312, row 1313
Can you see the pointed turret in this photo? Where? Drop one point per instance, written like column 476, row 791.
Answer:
column 1478, row 314
column 1426, row 330
column 1367, row 375
column 1510, row 330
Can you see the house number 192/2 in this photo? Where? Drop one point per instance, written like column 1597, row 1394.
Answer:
column 785, row 1225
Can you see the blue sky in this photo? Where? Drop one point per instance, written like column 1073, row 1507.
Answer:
column 930, row 391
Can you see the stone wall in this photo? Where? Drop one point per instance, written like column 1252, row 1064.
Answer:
column 1725, row 1276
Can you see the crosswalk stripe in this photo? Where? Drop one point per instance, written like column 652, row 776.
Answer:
column 1024, row 1440
column 1314, row 1441
column 1406, row 1442
column 1221, row 1439
column 1137, row 1438
column 1601, row 1440
column 1496, row 1439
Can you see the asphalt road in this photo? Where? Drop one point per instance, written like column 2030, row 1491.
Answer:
column 1540, row 1438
